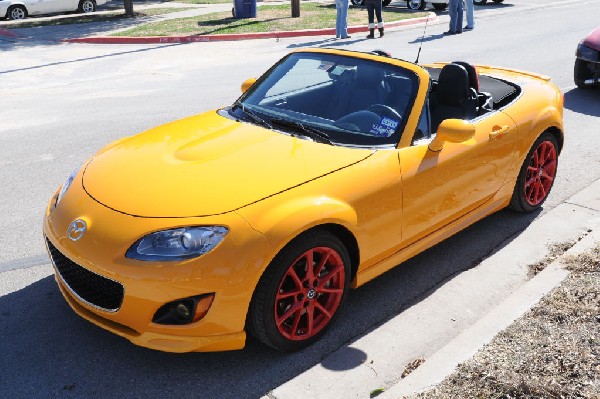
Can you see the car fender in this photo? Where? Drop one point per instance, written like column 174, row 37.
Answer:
column 285, row 221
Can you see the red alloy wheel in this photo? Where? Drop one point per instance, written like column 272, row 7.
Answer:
column 540, row 173
column 309, row 293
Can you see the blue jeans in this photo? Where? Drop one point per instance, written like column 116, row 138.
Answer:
column 455, row 10
column 469, row 12
column 341, row 19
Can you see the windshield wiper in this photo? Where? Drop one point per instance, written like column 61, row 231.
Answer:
column 308, row 131
column 253, row 116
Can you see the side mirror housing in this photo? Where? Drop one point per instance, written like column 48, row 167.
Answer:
column 452, row 130
column 247, row 83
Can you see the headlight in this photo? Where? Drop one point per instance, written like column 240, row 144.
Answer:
column 66, row 186
column 586, row 53
column 177, row 244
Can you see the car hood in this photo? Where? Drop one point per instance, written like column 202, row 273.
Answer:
column 593, row 39
column 206, row 165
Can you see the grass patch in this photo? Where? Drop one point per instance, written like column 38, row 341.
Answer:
column 269, row 18
column 204, row 1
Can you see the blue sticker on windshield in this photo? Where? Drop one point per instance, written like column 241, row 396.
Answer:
column 385, row 128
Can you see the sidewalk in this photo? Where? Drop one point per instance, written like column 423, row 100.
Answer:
column 100, row 34
column 473, row 308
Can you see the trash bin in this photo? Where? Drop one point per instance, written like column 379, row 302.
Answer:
column 244, row 8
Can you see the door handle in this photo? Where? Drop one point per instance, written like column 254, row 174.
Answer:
column 498, row 132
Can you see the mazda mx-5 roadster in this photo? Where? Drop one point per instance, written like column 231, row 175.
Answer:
column 330, row 169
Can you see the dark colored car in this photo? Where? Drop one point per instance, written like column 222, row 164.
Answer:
column 587, row 63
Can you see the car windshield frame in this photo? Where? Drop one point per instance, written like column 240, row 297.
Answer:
column 334, row 96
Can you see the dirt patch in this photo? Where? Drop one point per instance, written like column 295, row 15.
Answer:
column 553, row 351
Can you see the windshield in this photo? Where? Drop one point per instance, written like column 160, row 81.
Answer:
column 332, row 98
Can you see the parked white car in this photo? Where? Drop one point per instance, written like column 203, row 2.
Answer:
column 439, row 5
column 20, row 9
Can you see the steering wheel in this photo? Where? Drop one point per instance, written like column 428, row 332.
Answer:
column 385, row 110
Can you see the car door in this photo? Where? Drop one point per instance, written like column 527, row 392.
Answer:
column 52, row 6
column 441, row 187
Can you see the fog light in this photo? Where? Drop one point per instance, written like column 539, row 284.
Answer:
column 184, row 311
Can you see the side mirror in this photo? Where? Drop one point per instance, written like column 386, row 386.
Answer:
column 452, row 130
column 247, row 83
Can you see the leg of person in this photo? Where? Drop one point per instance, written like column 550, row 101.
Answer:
column 452, row 14
column 378, row 7
column 470, row 15
column 338, row 18
column 344, row 26
column 371, row 13
column 459, row 16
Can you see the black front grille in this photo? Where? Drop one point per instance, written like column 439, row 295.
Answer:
column 98, row 291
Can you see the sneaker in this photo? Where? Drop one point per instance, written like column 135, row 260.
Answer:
column 450, row 32
column 346, row 37
column 468, row 28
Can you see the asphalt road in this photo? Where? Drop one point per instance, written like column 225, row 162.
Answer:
column 60, row 103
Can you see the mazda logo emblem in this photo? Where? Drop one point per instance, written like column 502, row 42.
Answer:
column 76, row 229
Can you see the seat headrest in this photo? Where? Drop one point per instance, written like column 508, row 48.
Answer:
column 453, row 84
column 473, row 78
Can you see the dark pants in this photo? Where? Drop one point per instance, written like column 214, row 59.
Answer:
column 374, row 9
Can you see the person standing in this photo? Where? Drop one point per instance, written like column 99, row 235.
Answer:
column 341, row 19
column 374, row 7
column 455, row 10
column 470, row 17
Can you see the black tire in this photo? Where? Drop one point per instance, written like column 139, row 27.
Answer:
column 16, row 12
column 416, row 4
column 358, row 2
column 386, row 3
column 440, row 6
column 535, row 181
column 497, row 1
column 291, row 290
column 479, row 2
column 86, row 6
column 581, row 73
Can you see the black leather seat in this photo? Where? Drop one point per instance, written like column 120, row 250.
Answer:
column 452, row 98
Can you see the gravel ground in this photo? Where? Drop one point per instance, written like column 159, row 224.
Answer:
column 553, row 351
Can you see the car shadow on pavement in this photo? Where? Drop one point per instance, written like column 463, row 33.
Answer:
column 583, row 101
column 49, row 351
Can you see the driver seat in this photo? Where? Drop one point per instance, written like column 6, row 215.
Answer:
column 452, row 98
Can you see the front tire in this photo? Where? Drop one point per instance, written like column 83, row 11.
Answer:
column 416, row 4
column 479, row 2
column 497, row 1
column 537, row 175
column 300, row 292
column 581, row 72
column 87, row 6
column 440, row 6
column 358, row 2
column 16, row 12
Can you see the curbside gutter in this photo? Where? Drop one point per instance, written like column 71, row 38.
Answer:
column 240, row 36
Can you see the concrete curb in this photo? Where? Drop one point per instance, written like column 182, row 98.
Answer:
column 240, row 36
column 6, row 32
column 465, row 345
column 454, row 321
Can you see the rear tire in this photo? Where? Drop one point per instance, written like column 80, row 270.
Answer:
column 386, row 3
column 479, row 2
column 300, row 292
column 537, row 175
column 358, row 2
column 497, row 1
column 16, row 12
column 440, row 6
column 416, row 4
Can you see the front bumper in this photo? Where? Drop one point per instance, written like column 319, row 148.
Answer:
column 230, row 271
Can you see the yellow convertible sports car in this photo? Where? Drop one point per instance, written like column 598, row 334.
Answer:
column 329, row 170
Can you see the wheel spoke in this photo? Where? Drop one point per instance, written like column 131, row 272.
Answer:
column 294, row 276
column 310, row 320
column 296, row 307
column 322, row 262
column 323, row 310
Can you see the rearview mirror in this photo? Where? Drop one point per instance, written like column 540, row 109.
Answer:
column 247, row 83
column 452, row 130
